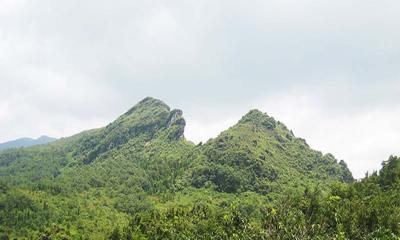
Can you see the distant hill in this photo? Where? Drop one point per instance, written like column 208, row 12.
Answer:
column 26, row 142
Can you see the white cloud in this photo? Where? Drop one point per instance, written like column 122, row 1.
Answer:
column 203, row 131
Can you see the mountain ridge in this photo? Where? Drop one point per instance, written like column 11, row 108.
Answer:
column 142, row 162
column 26, row 142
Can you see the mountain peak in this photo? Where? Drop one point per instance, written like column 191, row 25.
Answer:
column 148, row 102
column 151, row 101
column 256, row 112
column 147, row 120
column 258, row 118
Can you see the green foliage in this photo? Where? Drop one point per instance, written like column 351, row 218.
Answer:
column 138, row 178
column 260, row 154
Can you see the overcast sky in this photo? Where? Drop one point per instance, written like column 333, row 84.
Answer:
column 330, row 70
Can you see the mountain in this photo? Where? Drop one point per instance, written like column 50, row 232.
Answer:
column 262, row 155
column 139, row 178
column 26, row 142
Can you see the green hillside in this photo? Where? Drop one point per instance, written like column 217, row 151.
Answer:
column 139, row 178
column 260, row 154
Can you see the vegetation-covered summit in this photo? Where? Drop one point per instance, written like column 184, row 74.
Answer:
column 260, row 154
column 139, row 178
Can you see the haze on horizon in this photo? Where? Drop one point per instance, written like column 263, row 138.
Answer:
column 329, row 70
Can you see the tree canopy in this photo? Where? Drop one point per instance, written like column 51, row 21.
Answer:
column 139, row 178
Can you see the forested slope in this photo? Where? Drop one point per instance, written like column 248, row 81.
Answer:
column 139, row 178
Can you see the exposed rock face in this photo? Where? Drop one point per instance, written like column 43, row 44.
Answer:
column 174, row 116
column 176, row 124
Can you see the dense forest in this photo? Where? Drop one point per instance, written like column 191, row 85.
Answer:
column 139, row 178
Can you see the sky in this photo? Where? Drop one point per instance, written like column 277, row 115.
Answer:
column 328, row 69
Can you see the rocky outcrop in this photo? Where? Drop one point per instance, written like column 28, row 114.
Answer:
column 176, row 125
